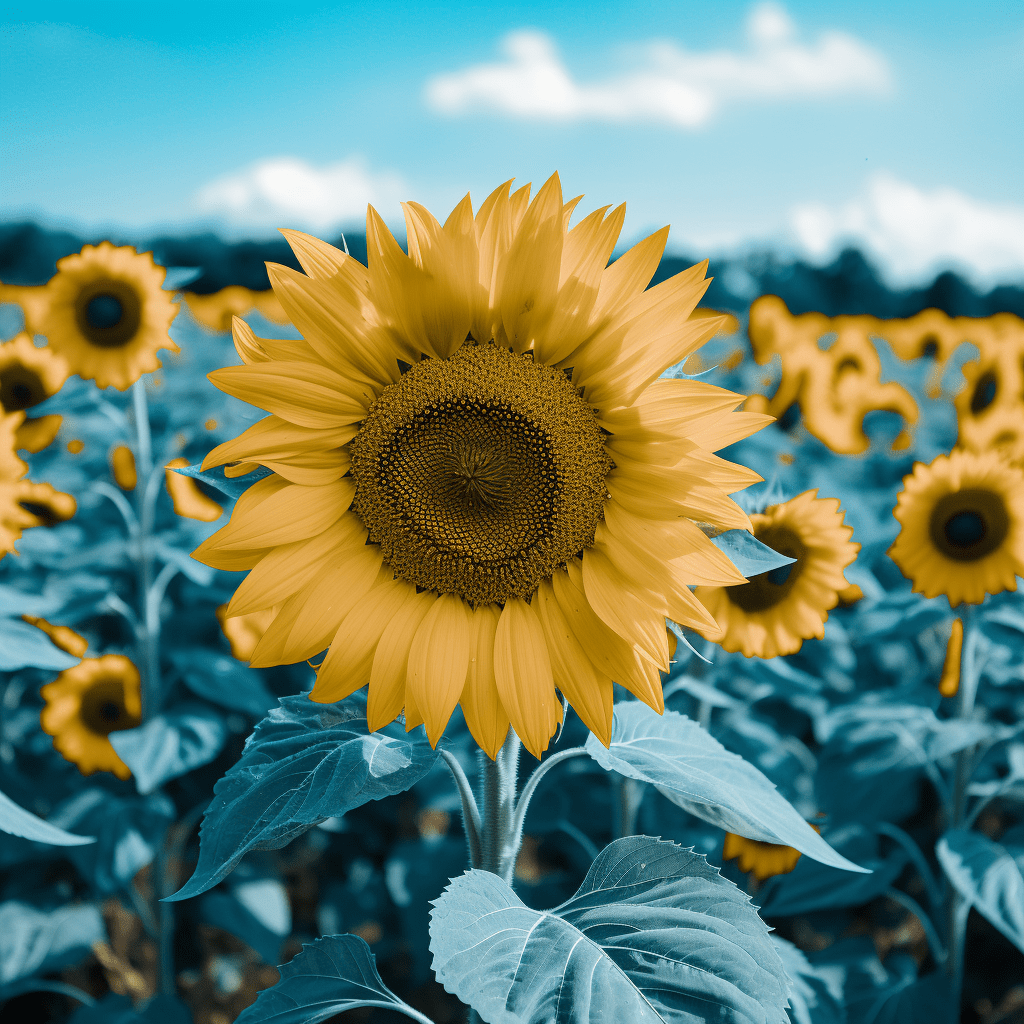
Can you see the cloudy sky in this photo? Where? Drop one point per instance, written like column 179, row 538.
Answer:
column 743, row 125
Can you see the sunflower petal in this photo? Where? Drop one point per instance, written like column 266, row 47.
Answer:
column 481, row 706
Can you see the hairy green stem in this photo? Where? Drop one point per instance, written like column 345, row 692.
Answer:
column 499, row 835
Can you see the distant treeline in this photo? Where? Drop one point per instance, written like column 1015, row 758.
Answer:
column 850, row 284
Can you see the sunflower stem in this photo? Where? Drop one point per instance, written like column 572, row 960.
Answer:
column 500, row 835
column 470, row 811
column 956, row 908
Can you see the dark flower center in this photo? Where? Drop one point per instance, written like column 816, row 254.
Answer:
column 984, row 392
column 108, row 313
column 20, row 388
column 481, row 474
column 767, row 589
column 103, row 708
column 968, row 525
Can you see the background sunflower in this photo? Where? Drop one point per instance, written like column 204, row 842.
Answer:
column 775, row 612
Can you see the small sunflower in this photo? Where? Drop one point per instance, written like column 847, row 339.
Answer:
column 244, row 632
column 481, row 490
column 85, row 704
column 188, row 500
column 775, row 612
column 765, row 860
column 107, row 314
column 28, row 376
column 961, row 527
column 24, row 504
column 122, row 467
column 218, row 309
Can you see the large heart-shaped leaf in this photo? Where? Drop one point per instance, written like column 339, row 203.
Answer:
column 697, row 773
column 304, row 763
column 170, row 744
column 653, row 934
column 332, row 975
column 16, row 821
column 987, row 877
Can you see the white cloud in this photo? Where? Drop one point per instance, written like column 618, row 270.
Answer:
column 288, row 192
column 914, row 233
column 671, row 85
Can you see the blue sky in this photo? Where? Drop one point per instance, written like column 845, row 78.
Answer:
column 797, row 125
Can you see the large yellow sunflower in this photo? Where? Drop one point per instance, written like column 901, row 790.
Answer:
column 86, row 703
column 481, row 490
column 11, row 467
column 107, row 314
column 28, row 376
column 775, row 612
column 962, row 527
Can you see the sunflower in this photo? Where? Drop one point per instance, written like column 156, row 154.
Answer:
column 122, row 467
column 481, row 490
column 188, row 500
column 765, row 860
column 28, row 376
column 961, row 527
column 107, row 314
column 776, row 611
column 24, row 504
column 85, row 704
column 218, row 309
column 244, row 632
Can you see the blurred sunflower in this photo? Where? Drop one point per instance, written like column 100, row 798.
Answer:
column 765, row 860
column 961, row 527
column 776, row 611
column 85, row 704
column 481, row 491
column 188, row 500
column 62, row 636
column 24, row 504
column 107, row 314
column 122, row 467
column 28, row 376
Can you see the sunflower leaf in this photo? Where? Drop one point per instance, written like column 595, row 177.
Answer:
column 231, row 487
column 16, row 821
column 748, row 554
column 334, row 974
column 693, row 770
column 987, row 877
column 304, row 763
column 653, row 934
column 170, row 744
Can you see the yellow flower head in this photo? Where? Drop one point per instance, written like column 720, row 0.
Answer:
column 85, row 704
column 961, row 527
column 776, row 611
column 28, row 375
column 765, row 860
column 481, row 490
column 107, row 314
column 24, row 504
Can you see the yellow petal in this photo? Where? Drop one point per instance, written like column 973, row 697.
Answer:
column 391, row 663
column 590, row 692
column 318, row 259
column 484, row 713
column 349, row 661
column 309, row 619
column 522, row 673
column 273, row 437
column 439, row 662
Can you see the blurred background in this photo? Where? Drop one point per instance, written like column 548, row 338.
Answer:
column 764, row 133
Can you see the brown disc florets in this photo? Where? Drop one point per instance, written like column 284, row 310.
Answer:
column 481, row 474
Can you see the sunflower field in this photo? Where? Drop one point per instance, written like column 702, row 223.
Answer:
column 506, row 625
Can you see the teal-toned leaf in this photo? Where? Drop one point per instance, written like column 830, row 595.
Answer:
column 811, row 886
column 332, row 975
column 184, row 562
column 170, row 744
column 304, row 763
column 16, row 821
column 34, row 939
column 25, row 646
column 694, row 770
column 748, row 554
column 118, row 1009
column 231, row 487
column 814, row 997
column 127, row 830
column 223, row 680
column 987, row 877
column 653, row 934
column 176, row 278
